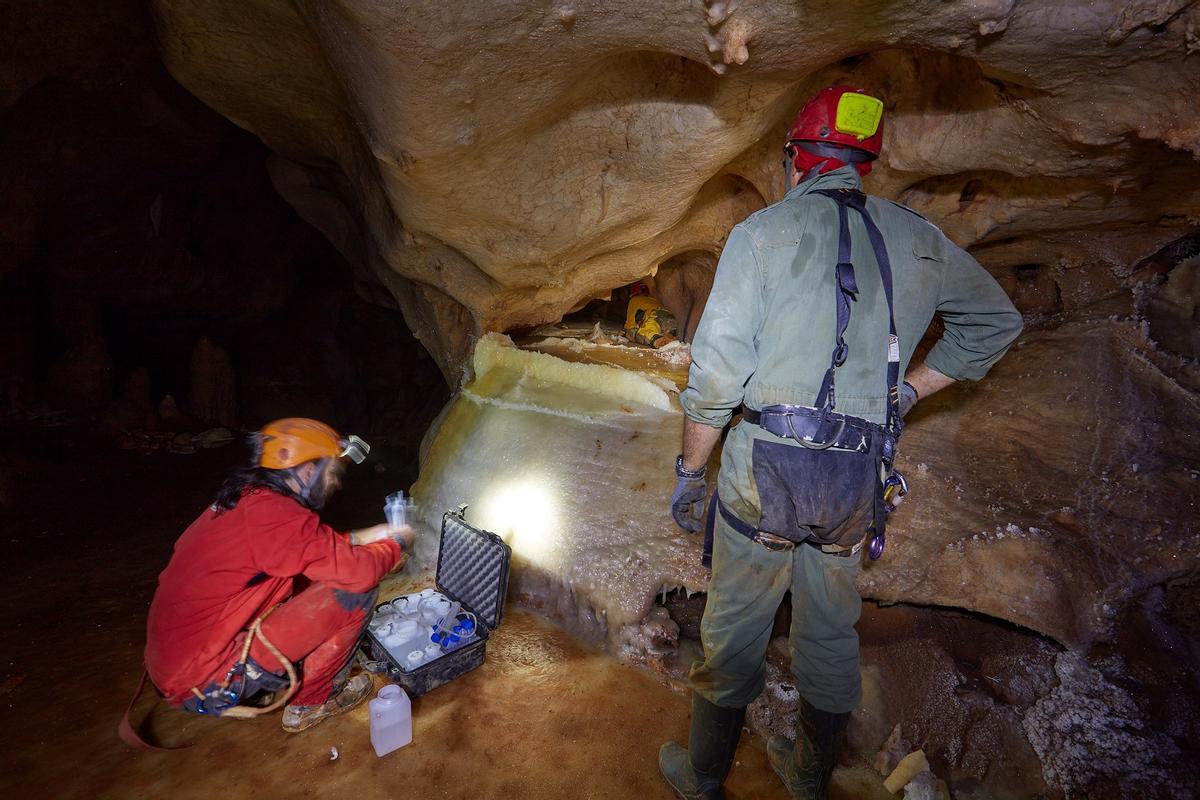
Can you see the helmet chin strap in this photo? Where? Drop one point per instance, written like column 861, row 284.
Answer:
column 307, row 487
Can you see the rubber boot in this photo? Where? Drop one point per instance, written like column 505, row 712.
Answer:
column 697, row 773
column 806, row 766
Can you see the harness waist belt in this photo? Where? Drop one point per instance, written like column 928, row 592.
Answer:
column 827, row 428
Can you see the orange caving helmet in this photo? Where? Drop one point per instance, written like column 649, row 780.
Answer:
column 293, row 441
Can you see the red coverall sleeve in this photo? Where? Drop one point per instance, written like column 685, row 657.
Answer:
column 300, row 544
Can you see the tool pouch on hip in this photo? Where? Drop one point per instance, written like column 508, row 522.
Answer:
column 828, row 497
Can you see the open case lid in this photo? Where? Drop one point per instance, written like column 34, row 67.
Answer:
column 472, row 568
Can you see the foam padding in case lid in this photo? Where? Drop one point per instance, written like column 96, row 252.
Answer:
column 473, row 568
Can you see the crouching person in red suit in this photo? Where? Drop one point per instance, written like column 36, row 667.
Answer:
column 227, row 624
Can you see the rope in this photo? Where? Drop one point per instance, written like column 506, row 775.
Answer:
column 130, row 735
column 246, row 712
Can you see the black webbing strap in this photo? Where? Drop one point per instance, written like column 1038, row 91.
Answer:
column 847, row 288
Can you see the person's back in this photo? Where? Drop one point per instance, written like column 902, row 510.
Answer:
column 786, row 306
column 817, row 307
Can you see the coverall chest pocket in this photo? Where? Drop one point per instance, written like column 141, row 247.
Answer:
column 827, row 496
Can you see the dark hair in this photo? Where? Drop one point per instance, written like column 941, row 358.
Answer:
column 250, row 476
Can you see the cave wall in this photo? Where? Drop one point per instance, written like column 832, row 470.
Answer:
column 497, row 165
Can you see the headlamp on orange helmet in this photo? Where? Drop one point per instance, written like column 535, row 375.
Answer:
column 841, row 125
column 290, row 442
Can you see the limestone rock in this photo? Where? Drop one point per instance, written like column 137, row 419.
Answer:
column 496, row 165
column 1052, row 492
column 1089, row 729
column 1173, row 312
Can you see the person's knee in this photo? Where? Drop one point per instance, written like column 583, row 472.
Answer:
column 833, row 685
column 356, row 601
column 729, row 686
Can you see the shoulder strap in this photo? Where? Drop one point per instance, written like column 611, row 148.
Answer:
column 846, row 291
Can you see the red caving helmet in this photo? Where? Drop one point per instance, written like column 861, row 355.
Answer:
column 840, row 125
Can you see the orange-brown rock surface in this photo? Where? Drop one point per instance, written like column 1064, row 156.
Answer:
column 495, row 165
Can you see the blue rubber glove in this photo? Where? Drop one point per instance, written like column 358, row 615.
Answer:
column 687, row 504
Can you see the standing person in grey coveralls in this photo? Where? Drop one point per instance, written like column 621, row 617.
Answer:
column 818, row 303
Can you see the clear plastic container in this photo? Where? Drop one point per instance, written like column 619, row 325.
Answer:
column 399, row 510
column 391, row 720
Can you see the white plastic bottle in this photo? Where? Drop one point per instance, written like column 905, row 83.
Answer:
column 391, row 720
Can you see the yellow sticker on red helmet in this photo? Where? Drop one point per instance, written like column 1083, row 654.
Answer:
column 858, row 115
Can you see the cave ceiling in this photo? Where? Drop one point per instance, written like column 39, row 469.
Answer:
column 496, row 165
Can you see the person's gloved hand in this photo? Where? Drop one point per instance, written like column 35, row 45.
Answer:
column 687, row 503
column 908, row 398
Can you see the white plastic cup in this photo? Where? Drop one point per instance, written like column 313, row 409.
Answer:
column 391, row 720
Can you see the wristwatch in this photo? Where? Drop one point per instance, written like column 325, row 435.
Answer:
column 690, row 474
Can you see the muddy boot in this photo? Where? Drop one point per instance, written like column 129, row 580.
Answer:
column 697, row 773
column 352, row 693
column 806, row 767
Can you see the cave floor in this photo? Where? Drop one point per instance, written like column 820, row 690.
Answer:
column 87, row 529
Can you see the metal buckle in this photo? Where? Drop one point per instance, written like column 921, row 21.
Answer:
column 776, row 544
column 810, row 444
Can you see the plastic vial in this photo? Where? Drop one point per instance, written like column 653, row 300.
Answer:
column 391, row 720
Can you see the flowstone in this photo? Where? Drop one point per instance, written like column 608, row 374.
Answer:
column 571, row 464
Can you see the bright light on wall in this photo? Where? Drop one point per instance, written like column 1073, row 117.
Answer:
column 523, row 514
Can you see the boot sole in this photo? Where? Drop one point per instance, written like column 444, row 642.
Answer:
column 318, row 720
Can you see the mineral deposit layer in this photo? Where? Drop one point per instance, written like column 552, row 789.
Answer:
column 571, row 464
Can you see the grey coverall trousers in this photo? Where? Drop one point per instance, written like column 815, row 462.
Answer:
column 747, row 585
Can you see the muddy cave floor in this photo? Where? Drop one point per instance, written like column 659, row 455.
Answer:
column 87, row 528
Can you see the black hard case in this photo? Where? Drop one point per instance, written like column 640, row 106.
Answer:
column 472, row 568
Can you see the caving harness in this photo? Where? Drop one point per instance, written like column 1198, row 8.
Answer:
column 221, row 699
column 823, row 428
